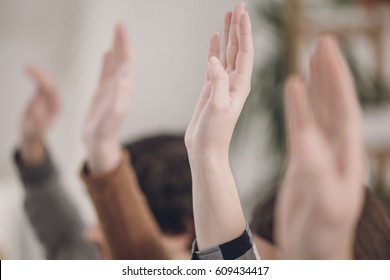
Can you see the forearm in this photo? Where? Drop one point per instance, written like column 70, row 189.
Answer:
column 127, row 222
column 217, row 209
column 33, row 152
column 58, row 225
column 52, row 214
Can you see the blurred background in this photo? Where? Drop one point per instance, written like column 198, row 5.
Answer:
column 170, row 41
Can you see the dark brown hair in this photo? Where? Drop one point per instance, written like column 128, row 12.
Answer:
column 372, row 234
column 164, row 175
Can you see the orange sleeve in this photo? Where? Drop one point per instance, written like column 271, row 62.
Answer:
column 126, row 219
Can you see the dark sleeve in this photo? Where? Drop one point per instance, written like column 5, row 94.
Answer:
column 241, row 248
column 53, row 216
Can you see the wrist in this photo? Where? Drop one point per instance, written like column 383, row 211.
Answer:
column 103, row 157
column 33, row 153
column 208, row 156
column 206, row 163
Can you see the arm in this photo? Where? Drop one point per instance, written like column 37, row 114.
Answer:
column 217, row 210
column 126, row 219
column 54, row 217
column 321, row 196
column 52, row 214
column 127, row 222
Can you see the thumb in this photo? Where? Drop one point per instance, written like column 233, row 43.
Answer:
column 219, row 81
column 297, row 110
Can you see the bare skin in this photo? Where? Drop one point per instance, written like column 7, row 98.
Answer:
column 109, row 107
column 321, row 195
column 38, row 116
column 217, row 210
column 102, row 127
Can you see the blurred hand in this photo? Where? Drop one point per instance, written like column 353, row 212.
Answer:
column 321, row 196
column 38, row 116
column 109, row 106
column 226, row 87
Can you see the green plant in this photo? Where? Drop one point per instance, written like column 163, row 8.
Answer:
column 269, row 79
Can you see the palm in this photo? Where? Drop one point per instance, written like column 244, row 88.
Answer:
column 226, row 86
column 321, row 193
column 109, row 105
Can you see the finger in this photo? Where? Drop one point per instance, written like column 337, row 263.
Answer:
column 219, row 83
column 227, row 22
column 52, row 101
column 106, row 66
column 46, row 87
column 211, row 88
column 297, row 111
column 116, row 48
column 122, row 92
column 101, row 101
column 123, row 44
column 336, row 105
column 232, row 47
column 205, row 94
column 214, row 46
column 121, row 47
column 31, row 105
column 201, row 103
column 113, row 98
column 40, row 77
column 106, row 72
column 213, row 50
column 244, row 63
column 332, row 81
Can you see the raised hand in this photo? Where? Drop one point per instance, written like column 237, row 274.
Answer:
column 109, row 106
column 226, row 87
column 321, row 196
column 217, row 210
column 39, row 114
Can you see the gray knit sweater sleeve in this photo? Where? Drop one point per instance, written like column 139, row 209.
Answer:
column 53, row 216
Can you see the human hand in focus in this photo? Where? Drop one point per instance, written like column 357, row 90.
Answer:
column 226, row 88
column 217, row 210
column 109, row 106
column 321, row 195
column 39, row 114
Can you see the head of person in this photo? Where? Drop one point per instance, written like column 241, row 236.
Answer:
column 163, row 172
column 372, row 240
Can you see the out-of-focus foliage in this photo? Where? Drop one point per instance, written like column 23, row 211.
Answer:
column 368, row 3
column 269, row 79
